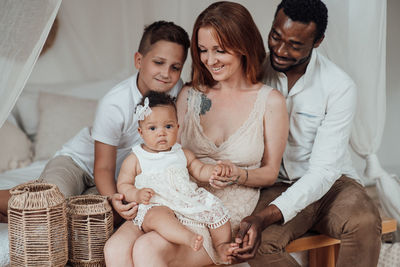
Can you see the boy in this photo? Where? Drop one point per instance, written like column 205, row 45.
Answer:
column 94, row 156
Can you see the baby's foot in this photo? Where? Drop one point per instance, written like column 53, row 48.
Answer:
column 225, row 251
column 196, row 242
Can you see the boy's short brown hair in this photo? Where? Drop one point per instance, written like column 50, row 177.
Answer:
column 163, row 31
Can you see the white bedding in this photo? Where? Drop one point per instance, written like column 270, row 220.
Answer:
column 15, row 177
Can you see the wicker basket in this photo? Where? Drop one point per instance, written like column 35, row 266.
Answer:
column 37, row 225
column 90, row 224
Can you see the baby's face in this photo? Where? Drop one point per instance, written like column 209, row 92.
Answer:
column 159, row 130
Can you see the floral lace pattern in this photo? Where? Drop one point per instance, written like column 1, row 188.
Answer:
column 191, row 204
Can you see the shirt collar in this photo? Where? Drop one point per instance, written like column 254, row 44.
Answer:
column 303, row 81
column 137, row 96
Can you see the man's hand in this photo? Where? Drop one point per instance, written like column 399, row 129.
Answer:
column 248, row 237
column 127, row 211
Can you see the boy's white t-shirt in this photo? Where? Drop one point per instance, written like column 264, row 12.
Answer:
column 114, row 124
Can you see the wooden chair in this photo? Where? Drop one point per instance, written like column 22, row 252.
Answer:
column 323, row 250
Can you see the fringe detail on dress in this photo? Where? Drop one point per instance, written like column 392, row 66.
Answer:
column 220, row 223
column 185, row 221
column 192, row 223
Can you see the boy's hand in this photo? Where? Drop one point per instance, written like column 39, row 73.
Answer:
column 127, row 211
column 145, row 195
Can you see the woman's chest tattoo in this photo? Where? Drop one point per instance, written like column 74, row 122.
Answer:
column 205, row 104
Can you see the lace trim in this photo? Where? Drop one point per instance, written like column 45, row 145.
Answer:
column 190, row 222
column 194, row 98
column 138, row 220
column 220, row 223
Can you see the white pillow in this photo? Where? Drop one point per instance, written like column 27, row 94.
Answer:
column 15, row 147
column 27, row 111
column 60, row 118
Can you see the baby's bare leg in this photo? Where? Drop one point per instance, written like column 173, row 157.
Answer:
column 222, row 238
column 162, row 220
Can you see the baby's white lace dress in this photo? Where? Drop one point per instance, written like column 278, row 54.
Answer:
column 166, row 173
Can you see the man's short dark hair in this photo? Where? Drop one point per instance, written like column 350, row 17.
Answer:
column 307, row 11
column 163, row 31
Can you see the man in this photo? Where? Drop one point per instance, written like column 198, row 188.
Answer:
column 317, row 187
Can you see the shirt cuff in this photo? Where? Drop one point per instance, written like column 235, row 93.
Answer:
column 287, row 212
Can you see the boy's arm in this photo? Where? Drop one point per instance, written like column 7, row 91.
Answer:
column 104, row 168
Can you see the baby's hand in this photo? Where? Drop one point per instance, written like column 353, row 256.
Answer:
column 225, row 174
column 223, row 169
column 145, row 195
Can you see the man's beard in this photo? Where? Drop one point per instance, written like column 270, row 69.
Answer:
column 276, row 68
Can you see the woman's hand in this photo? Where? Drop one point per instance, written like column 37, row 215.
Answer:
column 127, row 211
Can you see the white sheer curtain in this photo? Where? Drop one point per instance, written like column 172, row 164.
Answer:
column 357, row 42
column 24, row 26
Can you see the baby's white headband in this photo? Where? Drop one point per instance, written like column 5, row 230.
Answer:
column 143, row 111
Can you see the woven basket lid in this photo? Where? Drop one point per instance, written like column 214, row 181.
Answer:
column 88, row 205
column 34, row 196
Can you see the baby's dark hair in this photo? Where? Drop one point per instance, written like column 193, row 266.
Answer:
column 163, row 31
column 307, row 11
column 159, row 99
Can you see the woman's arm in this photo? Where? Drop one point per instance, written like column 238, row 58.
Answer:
column 276, row 129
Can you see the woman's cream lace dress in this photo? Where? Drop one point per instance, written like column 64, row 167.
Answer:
column 244, row 148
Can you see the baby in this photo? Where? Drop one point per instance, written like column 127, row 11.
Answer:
column 156, row 175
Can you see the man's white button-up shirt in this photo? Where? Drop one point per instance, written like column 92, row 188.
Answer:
column 321, row 107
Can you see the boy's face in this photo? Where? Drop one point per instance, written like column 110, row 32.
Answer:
column 159, row 130
column 160, row 68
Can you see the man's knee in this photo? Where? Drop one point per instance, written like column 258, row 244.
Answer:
column 271, row 247
column 271, row 253
column 364, row 226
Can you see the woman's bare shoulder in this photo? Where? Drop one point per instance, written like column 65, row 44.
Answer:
column 275, row 99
